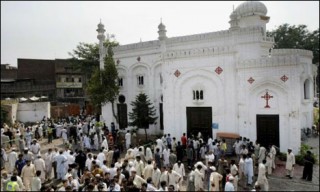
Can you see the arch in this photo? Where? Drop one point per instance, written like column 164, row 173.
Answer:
column 272, row 82
column 307, row 89
column 139, row 64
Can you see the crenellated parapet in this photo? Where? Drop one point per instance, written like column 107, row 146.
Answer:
column 142, row 45
column 301, row 52
column 279, row 57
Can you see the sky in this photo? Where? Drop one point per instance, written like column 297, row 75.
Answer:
column 50, row 30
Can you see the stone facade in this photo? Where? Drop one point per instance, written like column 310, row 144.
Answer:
column 230, row 72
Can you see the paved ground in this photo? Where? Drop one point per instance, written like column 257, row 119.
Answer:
column 277, row 181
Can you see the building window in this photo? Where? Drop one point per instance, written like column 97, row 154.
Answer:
column 140, row 80
column 67, row 79
column 72, row 79
column 120, row 82
column 161, row 80
column 79, row 80
column 198, row 95
column 307, row 89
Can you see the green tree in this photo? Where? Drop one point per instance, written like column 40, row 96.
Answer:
column 85, row 58
column 297, row 37
column 143, row 113
column 102, row 87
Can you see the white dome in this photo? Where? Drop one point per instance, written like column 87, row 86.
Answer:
column 250, row 8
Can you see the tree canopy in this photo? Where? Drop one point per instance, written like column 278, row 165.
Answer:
column 102, row 86
column 297, row 37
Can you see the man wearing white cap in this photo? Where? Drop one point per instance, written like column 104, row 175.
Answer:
column 215, row 179
column 40, row 166
column 290, row 163
column 229, row 186
column 137, row 180
column 12, row 158
column 198, row 178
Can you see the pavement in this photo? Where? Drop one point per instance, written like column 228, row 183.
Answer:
column 277, row 180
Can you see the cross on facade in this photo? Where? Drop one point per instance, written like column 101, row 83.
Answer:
column 267, row 97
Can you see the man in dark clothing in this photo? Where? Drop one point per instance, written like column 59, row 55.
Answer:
column 179, row 150
column 308, row 166
column 73, row 133
column 81, row 161
column 20, row 163
column 157, row 158
column 116, row 154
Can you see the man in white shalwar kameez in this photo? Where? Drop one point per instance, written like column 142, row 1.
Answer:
column 12, row 158
column 35, row 148
column 48, row 160
column 262, row 154
column 273, row 151
column 105, row 144
column 61, row 167
column 215, row 179
column 149, row 155
column 248, row 169
column 160, row 145
column 156, row 173
column 64, row 135
column 128, row 139
column 86, row 141
column 138, row 165
column 165, row 156
column 27, row 173
column 291, row 161
column 179, row 168
column 101, row 156
column 198, row 178
column 39, row 164
column 262, row 179
column 148, row 169
column 174, row 178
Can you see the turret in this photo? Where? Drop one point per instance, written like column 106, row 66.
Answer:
column 101, row 38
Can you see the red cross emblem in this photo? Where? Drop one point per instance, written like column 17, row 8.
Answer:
column 250, row 80
column 177, row 73
column 267, row 97
column 218, row 70
column 284, row 78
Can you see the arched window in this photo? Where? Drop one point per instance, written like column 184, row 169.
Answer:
column 120, row 82
column 201, row 95
column 307, row 89
column 197, row 95
column 140, row 80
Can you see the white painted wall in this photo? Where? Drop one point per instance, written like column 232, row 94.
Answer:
column 32, row 112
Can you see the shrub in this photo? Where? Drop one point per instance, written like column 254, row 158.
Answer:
column 303, row 151
column 282, row 156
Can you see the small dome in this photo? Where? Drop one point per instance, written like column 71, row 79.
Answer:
column 233, row 15
column 250, row 8
column 161, row 26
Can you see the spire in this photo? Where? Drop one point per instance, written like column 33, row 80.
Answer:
column 162, row 30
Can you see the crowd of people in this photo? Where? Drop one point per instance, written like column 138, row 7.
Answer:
column 95, row 158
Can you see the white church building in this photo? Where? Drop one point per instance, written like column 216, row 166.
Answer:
column 225, row 81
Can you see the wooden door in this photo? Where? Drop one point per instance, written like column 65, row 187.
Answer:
column 268, row 130
column 199, row 119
